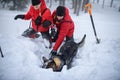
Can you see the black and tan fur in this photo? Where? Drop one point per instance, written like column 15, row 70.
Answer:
column 65, row 55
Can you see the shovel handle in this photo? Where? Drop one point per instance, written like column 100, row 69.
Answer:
column 88, row 7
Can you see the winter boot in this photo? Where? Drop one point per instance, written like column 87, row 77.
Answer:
column 30, row 33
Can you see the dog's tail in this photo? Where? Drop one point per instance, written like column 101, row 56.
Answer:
column 82, row 42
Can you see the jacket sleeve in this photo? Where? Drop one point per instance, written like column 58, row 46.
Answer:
column 28, row 14
column 62, row 34
column 47, row 15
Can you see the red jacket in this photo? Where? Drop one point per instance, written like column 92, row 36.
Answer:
column 33, row 14
column 65, row 28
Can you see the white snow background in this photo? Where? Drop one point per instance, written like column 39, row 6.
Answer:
column 93, row 62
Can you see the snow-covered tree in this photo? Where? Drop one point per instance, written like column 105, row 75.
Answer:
column 14, row 4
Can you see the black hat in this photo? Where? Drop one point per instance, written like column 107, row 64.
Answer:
column 60, row 11
column 35, row 2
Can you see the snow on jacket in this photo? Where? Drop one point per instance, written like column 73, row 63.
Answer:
column 65, row 28
column 33, row 14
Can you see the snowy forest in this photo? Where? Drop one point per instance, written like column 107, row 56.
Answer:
column 77, row 5
column 21, row 58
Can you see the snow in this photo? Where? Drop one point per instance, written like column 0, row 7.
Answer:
column 93, row 61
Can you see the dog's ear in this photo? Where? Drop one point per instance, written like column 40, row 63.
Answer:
column 45, row 59
column 47, row 63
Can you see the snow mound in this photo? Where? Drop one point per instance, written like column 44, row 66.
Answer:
column 93, row 61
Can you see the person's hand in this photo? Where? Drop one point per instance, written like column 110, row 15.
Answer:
column 47, row 23
column 19, row 16
column 53, row 53
column 38, row 21
column 53, row 32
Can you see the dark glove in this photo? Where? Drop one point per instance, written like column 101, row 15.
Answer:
column 53, row 32
column 46, row 23
column 53, row 53
column 38, row 20
column 19, row 16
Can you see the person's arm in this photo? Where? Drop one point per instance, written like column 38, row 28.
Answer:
column 62, row 34
column 28, row 14
column 46, row 15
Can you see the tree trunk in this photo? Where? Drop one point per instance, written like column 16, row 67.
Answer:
column 93, row 1
column 119, row 9
column 62, row 2
column 75, row 6
column 97, row 1
column 55, row 0
column 50, row 3
column 78, row 6
column 103, row 4
column 47, row 1
column 14, row 5
column 111, row 3
column 83, row 4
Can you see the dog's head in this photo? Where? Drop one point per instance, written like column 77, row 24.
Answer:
column 55, row 63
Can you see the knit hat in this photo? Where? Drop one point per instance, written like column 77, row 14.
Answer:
column 60, row 11
column 35, row 2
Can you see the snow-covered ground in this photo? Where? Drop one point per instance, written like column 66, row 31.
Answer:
column 93, row 61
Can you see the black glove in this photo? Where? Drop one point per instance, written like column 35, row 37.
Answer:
column 53, row 32
column 53, row 53
column 46, row 23
column 19, row 16
column 38, row 20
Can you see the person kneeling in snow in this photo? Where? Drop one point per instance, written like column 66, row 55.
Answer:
column 65, row 27
column 41, row 19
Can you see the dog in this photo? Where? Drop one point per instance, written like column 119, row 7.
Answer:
column 64, row 57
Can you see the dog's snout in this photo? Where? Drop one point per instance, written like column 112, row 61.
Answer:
column 47, row 64
column 44, row 65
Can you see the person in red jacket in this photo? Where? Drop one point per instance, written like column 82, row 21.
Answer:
column 40, row 17
column 65, row 27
